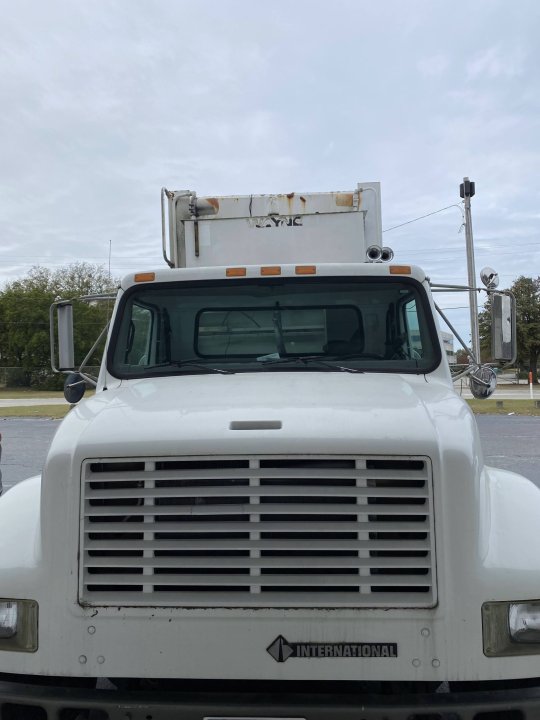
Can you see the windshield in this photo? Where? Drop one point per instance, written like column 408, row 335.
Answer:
column 319, row 324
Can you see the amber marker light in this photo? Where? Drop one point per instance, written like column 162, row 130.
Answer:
column 271, row 270
column 306, row 269
column 144, row 277
column 400, row 269
column 236, row 272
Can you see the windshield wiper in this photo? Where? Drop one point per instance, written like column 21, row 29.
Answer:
column 190, row 363
column 305, row 360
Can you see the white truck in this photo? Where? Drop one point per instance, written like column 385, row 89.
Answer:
column 275, row 505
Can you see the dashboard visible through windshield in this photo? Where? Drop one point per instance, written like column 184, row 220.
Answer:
column 322, row 324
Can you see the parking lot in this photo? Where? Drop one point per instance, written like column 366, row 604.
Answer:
column 509, row 442
column 25, row 442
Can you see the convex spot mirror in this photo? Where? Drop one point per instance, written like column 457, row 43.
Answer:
column 489, row 277
column 483, row 382
column 74, row 388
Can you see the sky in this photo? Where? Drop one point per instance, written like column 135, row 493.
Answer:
column 103, row 103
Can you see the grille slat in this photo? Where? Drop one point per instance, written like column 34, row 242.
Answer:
column 331, row 598
column 260, row 473
column 262, row 545
column 264, row 491
column 274, row 580
column 264, row 562
column 315, row 511
column 181, row 526
column 258, row 532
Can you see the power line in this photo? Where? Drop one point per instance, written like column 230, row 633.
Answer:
column 425, row 216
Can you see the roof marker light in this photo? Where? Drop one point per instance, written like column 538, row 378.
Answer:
column 400, row 269
column 271, row 270
column 306, row 269
column 144, row 277
column 236, row 272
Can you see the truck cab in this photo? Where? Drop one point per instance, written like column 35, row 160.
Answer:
column 275, row 505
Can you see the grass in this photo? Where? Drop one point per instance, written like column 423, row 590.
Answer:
column 35, row 411
column 504, row 407
column 17, row 393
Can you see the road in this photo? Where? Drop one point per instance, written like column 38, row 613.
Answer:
column 509, row 442
column 25, row 442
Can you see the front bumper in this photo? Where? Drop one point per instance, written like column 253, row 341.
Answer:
column 37, row 702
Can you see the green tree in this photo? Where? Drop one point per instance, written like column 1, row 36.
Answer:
column 484, row 328
column 24, row 318
column 527, row 293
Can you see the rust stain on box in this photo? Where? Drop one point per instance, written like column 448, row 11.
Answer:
column 344, row 199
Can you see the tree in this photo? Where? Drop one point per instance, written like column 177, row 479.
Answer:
column 462, row 357
column 527, row 293
column 484, row 328
column 24, row 317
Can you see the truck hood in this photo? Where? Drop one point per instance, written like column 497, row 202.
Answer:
column 277, row 412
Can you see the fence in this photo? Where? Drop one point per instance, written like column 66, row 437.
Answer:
column 39, row 377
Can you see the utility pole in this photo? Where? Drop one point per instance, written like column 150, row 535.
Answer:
column 466, row 191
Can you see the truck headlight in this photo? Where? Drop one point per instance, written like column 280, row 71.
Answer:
column 18, row 625
column 8, row 619
column 524, row 622
column 511, row 628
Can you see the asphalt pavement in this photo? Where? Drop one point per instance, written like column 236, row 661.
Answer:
column 512, row 442
column 25, row 442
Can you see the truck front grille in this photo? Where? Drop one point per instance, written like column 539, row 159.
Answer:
column 258, row 532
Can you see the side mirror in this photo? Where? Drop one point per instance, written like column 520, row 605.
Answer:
column 66, row 351
column 503, row 327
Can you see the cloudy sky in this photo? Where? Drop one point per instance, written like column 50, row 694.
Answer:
column 102, row 103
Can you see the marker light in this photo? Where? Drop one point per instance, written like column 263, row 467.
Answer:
column 271, row 270
column 236, row 272
column 306, row 269
column 144, row 277
column 400, row 269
